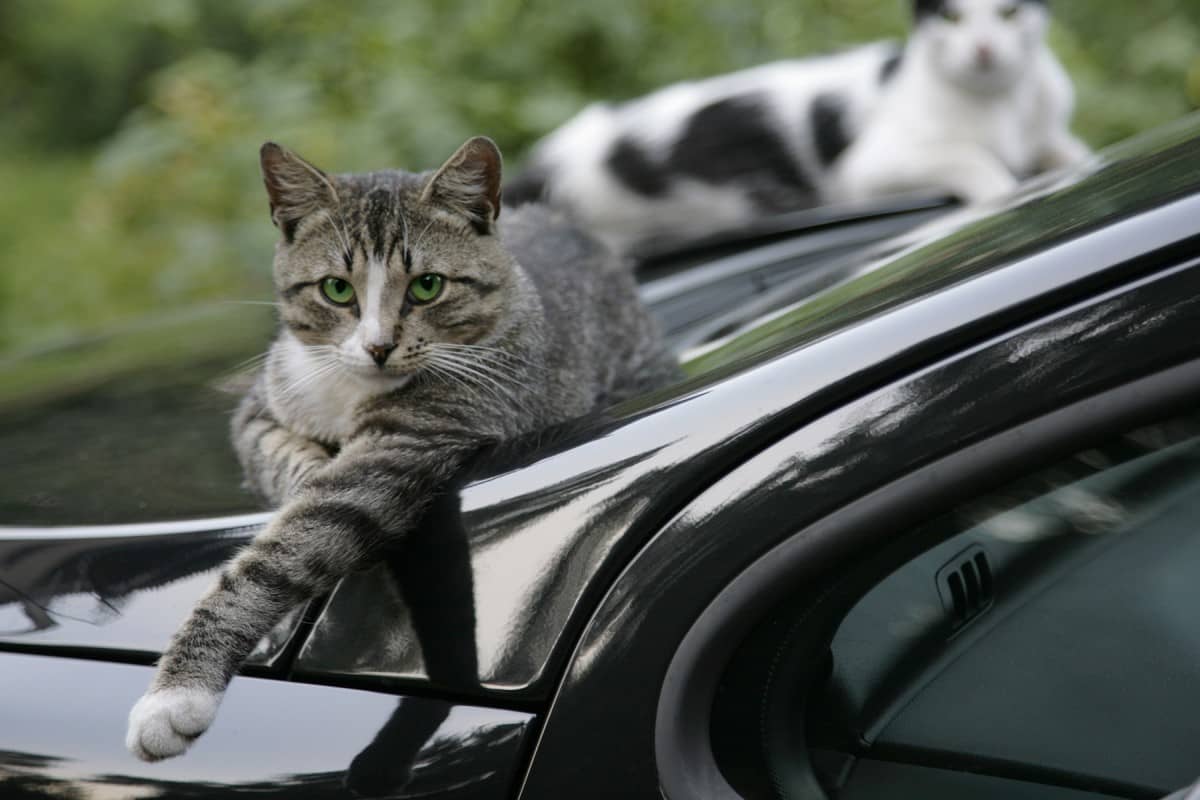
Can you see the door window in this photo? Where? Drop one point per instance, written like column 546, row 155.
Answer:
column 1043, row 642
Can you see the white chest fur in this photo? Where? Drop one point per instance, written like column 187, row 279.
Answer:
column 312, row 397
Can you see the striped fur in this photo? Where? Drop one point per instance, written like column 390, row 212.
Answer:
column 535, row 325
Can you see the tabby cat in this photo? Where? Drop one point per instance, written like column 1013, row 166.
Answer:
column 973, row 102
column 415, row 330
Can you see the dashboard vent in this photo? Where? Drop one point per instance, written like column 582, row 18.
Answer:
column 965, row 585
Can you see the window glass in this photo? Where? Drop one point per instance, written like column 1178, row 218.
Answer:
column 1045, row 642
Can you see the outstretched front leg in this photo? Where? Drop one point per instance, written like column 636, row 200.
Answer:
column 368, row 497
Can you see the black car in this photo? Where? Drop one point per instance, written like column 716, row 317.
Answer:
column 923, row 522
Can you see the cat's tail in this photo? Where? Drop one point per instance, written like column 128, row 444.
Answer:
column 529, row 186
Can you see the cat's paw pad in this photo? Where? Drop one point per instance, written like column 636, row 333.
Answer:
column 166, row 721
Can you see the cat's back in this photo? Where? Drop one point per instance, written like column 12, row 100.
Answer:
column 574, row 274
column 657, row 120
column 702, row 155
column 598, row 337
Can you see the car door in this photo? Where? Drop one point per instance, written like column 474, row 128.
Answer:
column 90, row 608
column 719, row 632
column 64, row 720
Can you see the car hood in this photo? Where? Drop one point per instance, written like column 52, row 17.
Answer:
column 132, row 426
column 128, row 427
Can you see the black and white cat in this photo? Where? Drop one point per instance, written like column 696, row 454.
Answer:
column 973, row 102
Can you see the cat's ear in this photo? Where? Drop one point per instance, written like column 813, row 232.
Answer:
column 295, row 187
column 469, row 183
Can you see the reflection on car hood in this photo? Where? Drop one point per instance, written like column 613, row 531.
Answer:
column 131, row 427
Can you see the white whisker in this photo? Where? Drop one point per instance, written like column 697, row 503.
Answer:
column 254, row 362
column 324, row 364
column 251, row 303
column 500, row 386
column 498, row 371
column 405, row 252
column 445, row 373
column 421, row 236
column 475, row 367
column 294, row 386
column 339, row 227
column 481, row 383
column 484, row 351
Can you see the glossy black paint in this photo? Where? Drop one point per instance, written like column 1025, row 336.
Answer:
column 129, row 427
column 792, row 225
column 545, row 537
column 969, row 331
column 121, row 590
column 822, row 469
column 698, row 304
column 63, row 717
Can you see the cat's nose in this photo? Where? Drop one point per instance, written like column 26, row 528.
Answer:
column 984, row 56
column 379, row 352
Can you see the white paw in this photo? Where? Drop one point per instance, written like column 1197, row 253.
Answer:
column 165, row 721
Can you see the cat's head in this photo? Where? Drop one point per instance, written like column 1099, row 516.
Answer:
column 382, row 274
column 980, row 45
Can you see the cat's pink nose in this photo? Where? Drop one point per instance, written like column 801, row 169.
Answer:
column 984, row 56
column 379, row 352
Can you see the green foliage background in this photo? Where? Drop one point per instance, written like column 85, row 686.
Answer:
column 129, row 131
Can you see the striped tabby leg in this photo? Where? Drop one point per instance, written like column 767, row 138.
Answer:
column 349, row 510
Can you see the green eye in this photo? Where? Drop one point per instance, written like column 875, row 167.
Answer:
column 425, row 288
column 1008, row 12
column 950, row 15
column 338, row 291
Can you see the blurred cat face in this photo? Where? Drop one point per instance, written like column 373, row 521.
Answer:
column 981, row 45
column 381, row 275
